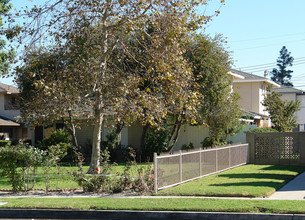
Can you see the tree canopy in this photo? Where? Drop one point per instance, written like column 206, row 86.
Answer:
column 5, row 55
column 282, row 75
column 282, row 112
column 147, row 39
column 211, row 63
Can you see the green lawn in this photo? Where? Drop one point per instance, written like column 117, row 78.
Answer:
column 65, row 179
column 154, row 204
column 247, row 181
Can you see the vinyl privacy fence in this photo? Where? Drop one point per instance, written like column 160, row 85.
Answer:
column 180, row 167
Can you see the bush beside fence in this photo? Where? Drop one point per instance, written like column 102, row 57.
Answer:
column 177, row 168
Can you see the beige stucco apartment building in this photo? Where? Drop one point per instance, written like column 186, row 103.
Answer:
column 10, row 129
column 252, row 90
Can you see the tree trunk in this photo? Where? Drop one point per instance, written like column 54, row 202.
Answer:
column 75, row 142
column 144, row 131
column 174, row 136
column 118, row 130
column 96, row 145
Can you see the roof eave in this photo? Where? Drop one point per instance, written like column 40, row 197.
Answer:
column 257, row 80
column 236, row 75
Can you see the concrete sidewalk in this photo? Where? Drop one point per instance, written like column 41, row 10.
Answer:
column 294, row 190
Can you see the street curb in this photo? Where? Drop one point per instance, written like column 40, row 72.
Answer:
column 117, row 215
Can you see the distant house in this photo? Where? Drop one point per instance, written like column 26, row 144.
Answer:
column 293, row 94
column 252, row 90
column 10, row 129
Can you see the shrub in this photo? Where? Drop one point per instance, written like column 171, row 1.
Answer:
column 19, row 164
column 95, row 182
column 209, row 142
column 4, row 143
column 62, row 141
column 155, row 141
column 261, row 130
column 190, row 146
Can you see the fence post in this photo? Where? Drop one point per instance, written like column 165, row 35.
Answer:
column 155, row 173
column 216, row 159
column 230, row 148
column 180, row 166
column 200, row 172
column 240, row 148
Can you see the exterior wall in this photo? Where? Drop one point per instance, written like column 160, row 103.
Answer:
column 10, row 114
column 240, row 137
column 191, row 134
column 262, row 94
column 301, row 114
column 84, row 135
column 134, row 135
column 289, row 97
column 196, row 134
column 124, row 137
column 249, row 96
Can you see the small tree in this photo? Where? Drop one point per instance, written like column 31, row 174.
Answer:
column 282, row 112
column 282, row 75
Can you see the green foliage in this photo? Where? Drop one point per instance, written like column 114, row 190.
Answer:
column 190, row 146
column 4, row 143
column 145, row 38
column 19, row 163
column 210, row 142
column 58, row 145
column 211, row 64
column 6, row 56
column 55, row 153
column 281, row 75
column 106, row 180
column 261, row 130
column 58, row 136
column 145, row 181
column 282, row 112
column 156, row 140
column 98, row 181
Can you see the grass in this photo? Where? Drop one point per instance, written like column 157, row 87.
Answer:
column 245, row 181
column 158, row 204
column 65, row 179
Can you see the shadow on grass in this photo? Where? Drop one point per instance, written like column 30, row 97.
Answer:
column 258, row 176
column 274, row 185
column 285, row 168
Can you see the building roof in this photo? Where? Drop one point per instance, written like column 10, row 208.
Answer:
column 288, row 90
column 6, row 122
column 235, row 75
column 7, row 89
column 254, row 115
column 249, row 77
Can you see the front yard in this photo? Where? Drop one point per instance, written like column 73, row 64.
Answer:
column 244, row 181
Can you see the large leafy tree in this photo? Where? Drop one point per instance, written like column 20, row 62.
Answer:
column 89, row 31
column 282, row 75
column 5, row 55
column 211, row 63
column 282, row 112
